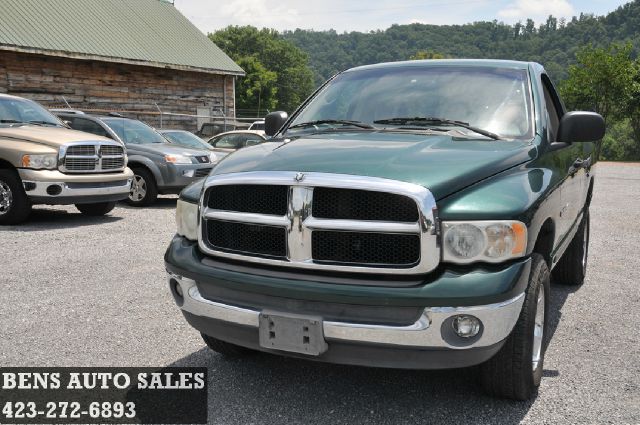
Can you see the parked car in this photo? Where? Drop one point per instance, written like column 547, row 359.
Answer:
column 231, row 141
column 257, row 125
column 44, row 162
column 408, row 215
column 158, row 166
column 189, row 140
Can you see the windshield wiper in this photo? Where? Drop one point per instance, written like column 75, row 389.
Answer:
column 343, row 122
column 436, row 121
column 40, row 122
column 11, row 122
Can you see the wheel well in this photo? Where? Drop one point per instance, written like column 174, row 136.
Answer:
column 589, row 193
column 133, row 165
column 544, row 242
column 6, row 165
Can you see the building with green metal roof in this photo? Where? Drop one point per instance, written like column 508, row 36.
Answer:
column 136, row 57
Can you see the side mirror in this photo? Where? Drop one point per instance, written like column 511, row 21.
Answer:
column 274, row 121
column 579, row 126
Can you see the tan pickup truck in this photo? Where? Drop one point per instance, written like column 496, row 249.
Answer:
column 44, row 162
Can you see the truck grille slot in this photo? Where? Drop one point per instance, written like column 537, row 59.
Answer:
column 111, row 150
column 93, row 158
column 202, row 172
column 80, row 164
column 248, row 239
column 366, row 248
column 351, row 204
column 112, row 163
column 259, row 199
column 81, row 150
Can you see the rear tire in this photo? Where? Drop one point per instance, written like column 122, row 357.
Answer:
column 97, row 209
column 516, row 370
column 14, row 203
column 225, row 348
column 572, row 267
column 144, row 189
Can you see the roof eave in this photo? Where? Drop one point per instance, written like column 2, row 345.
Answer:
column 82, row 56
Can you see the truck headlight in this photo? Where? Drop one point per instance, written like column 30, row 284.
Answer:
column 40, row 162
column 177, row 159
column 489, row 241
column 187, row 219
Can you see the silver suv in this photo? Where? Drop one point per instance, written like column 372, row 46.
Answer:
column 158, row 166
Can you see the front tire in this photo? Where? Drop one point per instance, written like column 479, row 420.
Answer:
column 14, row 203
column 97, row 209
column 516, row 370
column 144, row 190
column 572, row 267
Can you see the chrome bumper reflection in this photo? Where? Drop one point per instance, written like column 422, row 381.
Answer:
column 39, row 188
column 498, row 321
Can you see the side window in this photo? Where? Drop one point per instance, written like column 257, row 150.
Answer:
column 88, row 126
column 228, row 142
column 253, row 141
column 554, row 109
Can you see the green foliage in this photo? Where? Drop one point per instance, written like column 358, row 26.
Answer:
column 258, row 88
column 607, row 81
column 426, row 54
column 554, row 43
column 600, row 81
column 266, row 55
column 619, row 143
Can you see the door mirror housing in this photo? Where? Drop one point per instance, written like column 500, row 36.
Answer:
column 274, row 121
column 580, row 126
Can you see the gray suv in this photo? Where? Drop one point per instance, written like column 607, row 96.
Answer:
column 158, row 166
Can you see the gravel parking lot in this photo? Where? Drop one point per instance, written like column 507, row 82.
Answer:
column 82, row 291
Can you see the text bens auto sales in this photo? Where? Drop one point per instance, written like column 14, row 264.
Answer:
column 100, row 380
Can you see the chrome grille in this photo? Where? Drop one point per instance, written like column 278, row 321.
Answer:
column 92, row 157
column 378, row 225
column 106, row 150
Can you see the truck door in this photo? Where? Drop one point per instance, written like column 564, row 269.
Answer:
column 569, row 159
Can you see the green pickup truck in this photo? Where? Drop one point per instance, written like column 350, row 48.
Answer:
column 407, row 215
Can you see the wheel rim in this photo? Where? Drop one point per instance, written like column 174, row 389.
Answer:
column 538, row 330
column 138, row 189
column 6, row 198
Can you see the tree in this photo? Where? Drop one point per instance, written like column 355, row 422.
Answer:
column 257, row 90
column 600, row 81
column 426, row 54
column 269, row 53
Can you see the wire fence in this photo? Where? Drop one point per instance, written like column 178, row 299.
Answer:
column 157, row 117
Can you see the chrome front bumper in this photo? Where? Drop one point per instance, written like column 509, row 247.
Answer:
column 429, row 331
column 37, row 182
column 39, row 189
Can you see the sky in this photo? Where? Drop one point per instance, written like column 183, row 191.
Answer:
column 367, row 15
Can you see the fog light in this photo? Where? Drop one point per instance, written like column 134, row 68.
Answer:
column 188, row 173
column 466, row 326
column 54, row 190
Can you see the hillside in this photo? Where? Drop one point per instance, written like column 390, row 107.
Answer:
column 552, row 43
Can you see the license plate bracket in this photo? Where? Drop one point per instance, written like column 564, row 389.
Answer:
column 295, row 333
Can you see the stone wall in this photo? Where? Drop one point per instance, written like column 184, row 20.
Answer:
column 130, row 90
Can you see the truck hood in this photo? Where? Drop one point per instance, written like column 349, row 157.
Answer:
column 167, row 149
column 441, row 163
column 49, row 136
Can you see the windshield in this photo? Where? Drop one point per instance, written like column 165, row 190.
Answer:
column 186, row 139
column 22, row 111
column 496, row 100
column 134, row 132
